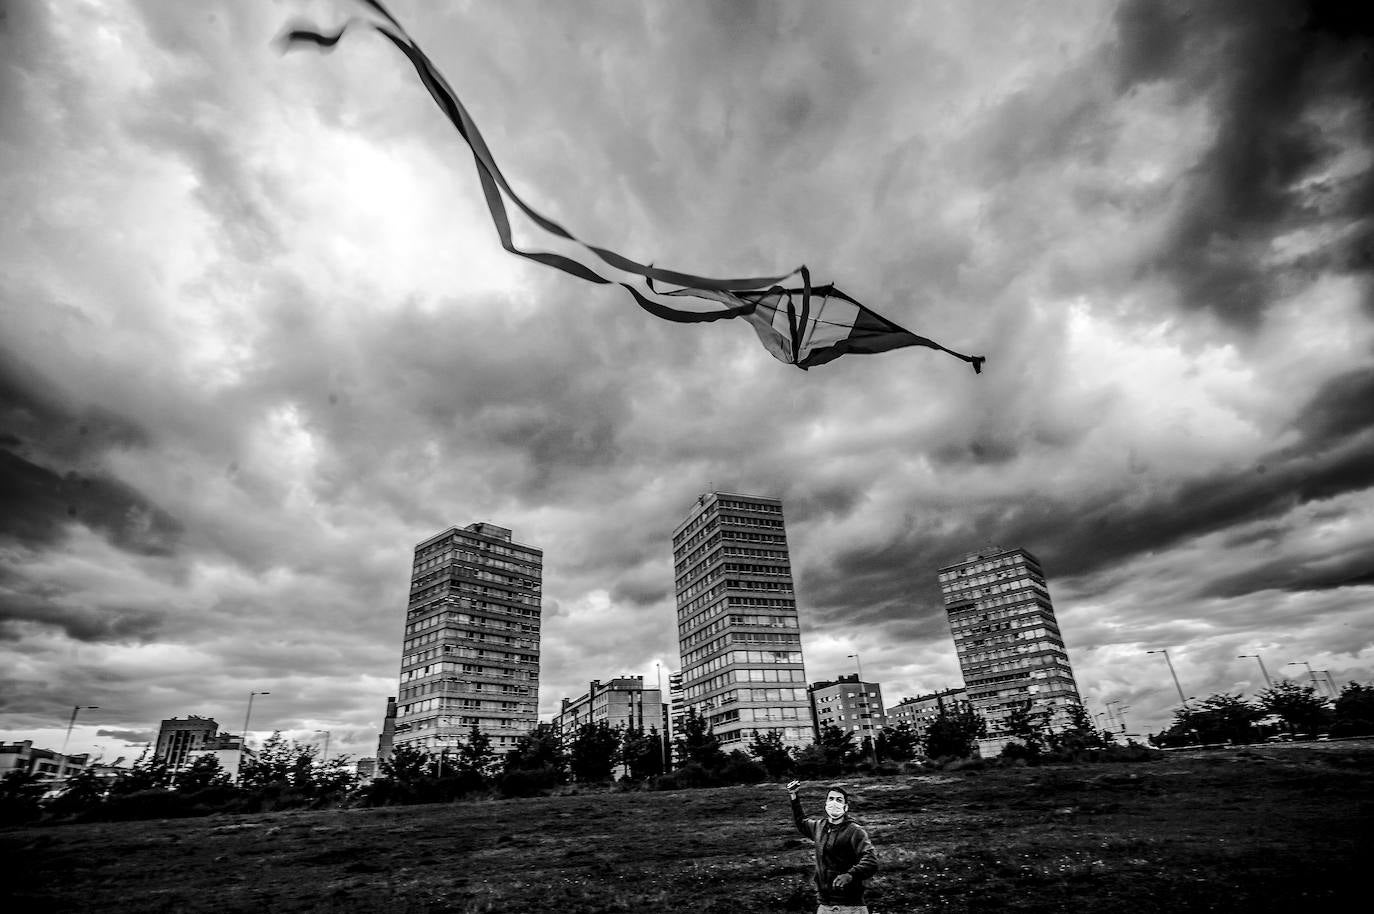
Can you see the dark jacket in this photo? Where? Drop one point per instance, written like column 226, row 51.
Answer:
column 840, row 848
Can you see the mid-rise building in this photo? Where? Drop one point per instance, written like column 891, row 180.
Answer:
column 918, row 712
column 1008, row 641
column 738, row 633
column 387, row 738
column 622, row 704
column 849, row 704
column 470, row 656
column 180, row 742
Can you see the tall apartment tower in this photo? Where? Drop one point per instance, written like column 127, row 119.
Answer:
column 471, row 651
column 738, row 634
column 1008, row 642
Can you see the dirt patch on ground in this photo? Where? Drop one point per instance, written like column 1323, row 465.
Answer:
column 1233, row 830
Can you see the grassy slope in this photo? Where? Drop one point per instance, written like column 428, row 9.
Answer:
column 1271, row 830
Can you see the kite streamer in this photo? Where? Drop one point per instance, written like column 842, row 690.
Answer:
column 803, row 326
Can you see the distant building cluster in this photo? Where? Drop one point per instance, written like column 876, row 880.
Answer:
column 470, row 654
column 470, row 651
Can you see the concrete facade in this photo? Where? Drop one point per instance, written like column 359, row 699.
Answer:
column 738, row 631
column 918, row 712
column 1007, row 639
column 621, row 703
column 470, row 654
column 181, row 741
column 849, row 704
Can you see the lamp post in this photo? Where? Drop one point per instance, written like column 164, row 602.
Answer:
column 324, row 756
column 243, row 741
column 71, row 723
column 1267, row 681
column 1330, row 683
column 1165, row 652
column 863, row 703
column 1311, row 676
column 663, row 732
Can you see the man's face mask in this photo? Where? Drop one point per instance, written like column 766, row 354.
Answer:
column 834, row 806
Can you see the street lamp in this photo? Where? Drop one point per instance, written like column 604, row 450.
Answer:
column 71, row 723
column 243, row 741
column 663, row 732
column 1267, row 681
column 1165, row 652
column 1311, row 676
column 863, row 703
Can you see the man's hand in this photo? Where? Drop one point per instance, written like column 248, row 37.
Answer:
column 792, row 789
column 843, row 880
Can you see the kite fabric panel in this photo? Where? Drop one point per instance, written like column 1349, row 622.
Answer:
column 803, row 326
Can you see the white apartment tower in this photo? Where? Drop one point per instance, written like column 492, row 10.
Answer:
column 1008, row 642
column 738, row 634
column 471, row 649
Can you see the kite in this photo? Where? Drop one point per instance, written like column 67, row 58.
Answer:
column 802, row 325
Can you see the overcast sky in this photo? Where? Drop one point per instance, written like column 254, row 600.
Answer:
column 260, row 339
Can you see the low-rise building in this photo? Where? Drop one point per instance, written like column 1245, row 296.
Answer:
column 622, row 703
column 918, row 712
column 45, row 763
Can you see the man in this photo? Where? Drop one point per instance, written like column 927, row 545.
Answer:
column 844, row 855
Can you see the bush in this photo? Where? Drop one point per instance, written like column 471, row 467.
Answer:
column 528, row 782
column 741, row 769
column 814, row 763
column 1020, row 752
column 689, row 777
column 153, row 803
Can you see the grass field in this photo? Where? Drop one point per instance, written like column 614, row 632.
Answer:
column 1253, row 830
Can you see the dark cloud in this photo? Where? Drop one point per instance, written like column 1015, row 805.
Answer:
column 24, row 605
column 1277, row 81
column 1344, row 407
column 128, row 736
column 51, row 472
column 272, row 342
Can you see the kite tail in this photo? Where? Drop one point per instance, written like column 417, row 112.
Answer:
column 801, row 338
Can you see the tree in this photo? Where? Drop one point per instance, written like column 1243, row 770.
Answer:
column 537, row 763
column 899, row 743
column 406, row 764
column 1299, row 707
column 20, row 795
column 201, row 774
column 831, row 754
column 698, row 743
column 771, row 752
column 537, row 749
column 641, row 752
column 1225, row 718
column 148, row 773
column 475, row 755
column 1080, row 734
column 279, row 766
column 1027, row 726
column 954, row 732
column 1354, row 711
column 335, row 778
column 593, row 753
